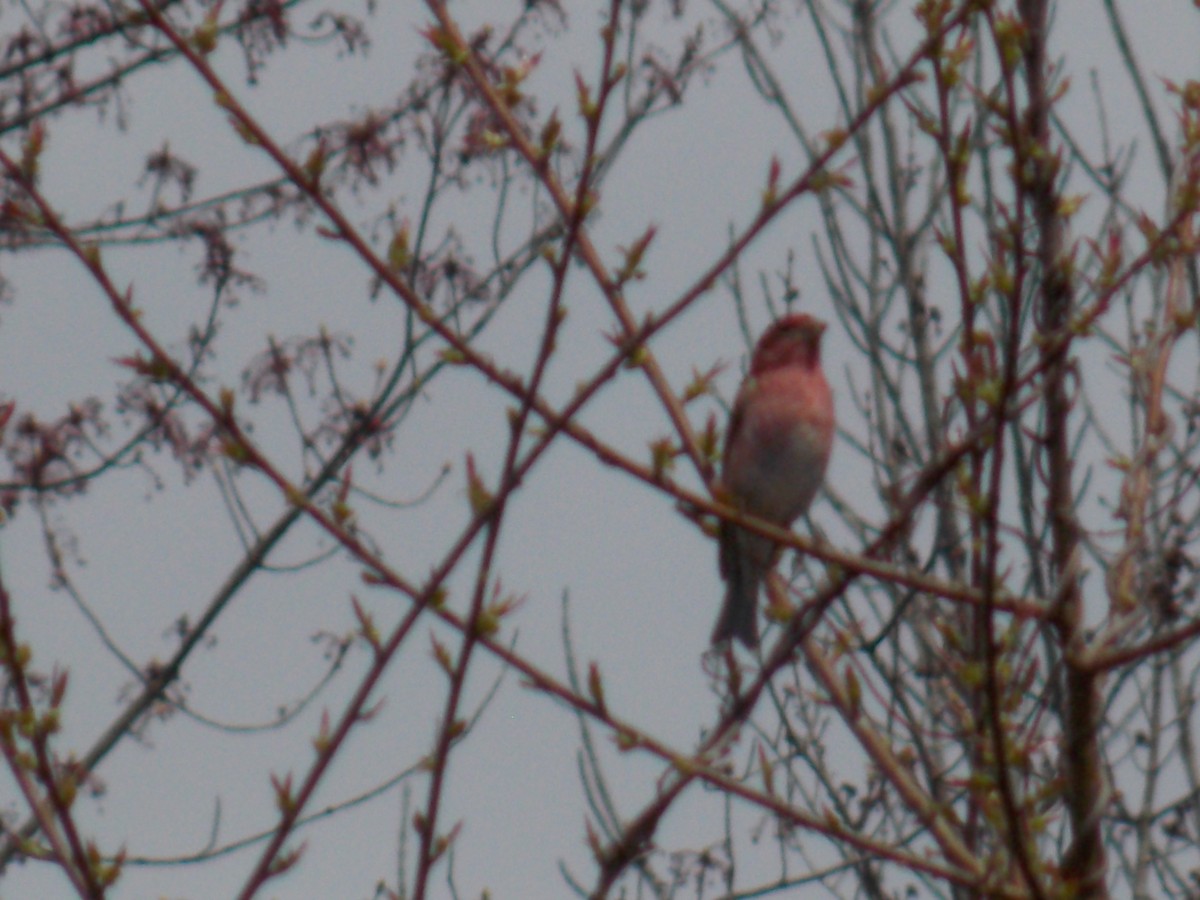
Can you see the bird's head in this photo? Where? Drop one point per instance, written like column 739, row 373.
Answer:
column 794, row 340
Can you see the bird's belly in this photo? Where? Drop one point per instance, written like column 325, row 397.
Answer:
column 780, row 478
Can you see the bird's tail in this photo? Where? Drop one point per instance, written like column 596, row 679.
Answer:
column 739, row 614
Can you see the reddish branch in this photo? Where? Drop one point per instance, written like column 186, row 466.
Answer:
column 1085, row 790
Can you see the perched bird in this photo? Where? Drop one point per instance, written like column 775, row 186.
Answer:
column 776, row 449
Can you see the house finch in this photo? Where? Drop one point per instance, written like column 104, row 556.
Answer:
column 776, row 450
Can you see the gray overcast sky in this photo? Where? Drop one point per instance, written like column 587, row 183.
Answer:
column 642, row 581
